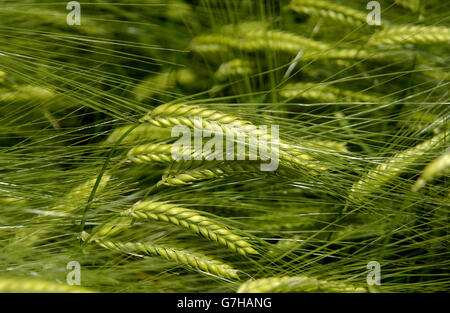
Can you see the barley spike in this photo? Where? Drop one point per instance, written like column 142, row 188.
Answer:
column 22, row 285
column 436, row 168
column 191, row 220
column 392, row 167
column 329, row 10
column 297, row 284
column 185, row 257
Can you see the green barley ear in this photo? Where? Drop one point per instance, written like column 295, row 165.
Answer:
column 186, row 77
column 329, row 10
column 297, row 284
column 233, row 68
column 79, row 195
column 154, row 85
column 22, row 285
column 150, row 152
column 358, row 54
column 27, row 93
column 115, row 226
column 321, row 92
column 142, row 133
column 439, row 166
column 168, row 115
column 413, row 5
column 392, row 167
column 211, row 171
column 411, row 34
column 191, row 220
column 188, row 258
column 255, row 40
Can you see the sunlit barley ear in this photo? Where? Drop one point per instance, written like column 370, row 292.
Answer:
column 212, row 171
column 411, row 34
column 193, row 221
column 170, row 115
column 297, row 284
column 191, row 259
column 148, row 153
column 143, row 133
column 33, row 285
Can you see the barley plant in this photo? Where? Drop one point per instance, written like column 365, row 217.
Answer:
column 88, row 171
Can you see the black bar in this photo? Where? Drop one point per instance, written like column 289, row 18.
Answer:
column 224, row 302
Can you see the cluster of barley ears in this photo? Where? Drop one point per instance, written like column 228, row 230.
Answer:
column 88, row 174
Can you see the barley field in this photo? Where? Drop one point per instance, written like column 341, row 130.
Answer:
column 224, row 146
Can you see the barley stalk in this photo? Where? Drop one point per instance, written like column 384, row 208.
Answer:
column 297, row 284
column 191, row 220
